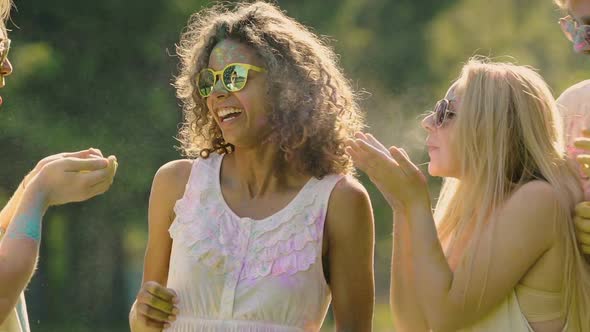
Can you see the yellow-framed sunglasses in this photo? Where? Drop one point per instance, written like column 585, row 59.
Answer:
column 234, row 78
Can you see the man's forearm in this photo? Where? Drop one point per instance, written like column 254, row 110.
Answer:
column 7, row 213
column 19, row 248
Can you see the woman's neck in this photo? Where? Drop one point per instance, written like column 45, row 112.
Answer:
column 257, row 172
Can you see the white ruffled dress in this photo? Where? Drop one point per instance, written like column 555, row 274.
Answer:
column 240, row 274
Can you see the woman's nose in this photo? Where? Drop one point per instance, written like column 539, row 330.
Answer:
column 428, row 123
column 6, row 68
column 219, row 90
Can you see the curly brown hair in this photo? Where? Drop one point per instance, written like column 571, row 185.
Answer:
column 313, row 108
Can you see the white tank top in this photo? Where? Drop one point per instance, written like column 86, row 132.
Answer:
column 240, row 274
column 507, row 316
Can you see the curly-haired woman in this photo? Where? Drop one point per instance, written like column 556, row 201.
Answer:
column 265, row 226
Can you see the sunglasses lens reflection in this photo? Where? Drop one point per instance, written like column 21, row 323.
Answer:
column 205, row 82
column 234, row 77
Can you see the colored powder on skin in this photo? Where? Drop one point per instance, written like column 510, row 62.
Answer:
column 225, row 54
column 26, row 225
column 218, row 54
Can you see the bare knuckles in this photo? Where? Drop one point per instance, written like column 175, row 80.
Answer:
column 73, row 179
column 156, row 304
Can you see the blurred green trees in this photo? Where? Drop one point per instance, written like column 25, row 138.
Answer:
column 98, row 74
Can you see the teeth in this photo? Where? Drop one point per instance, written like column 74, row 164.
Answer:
column 222, row 113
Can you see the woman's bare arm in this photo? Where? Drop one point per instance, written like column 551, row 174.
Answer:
column 155, row 303
column 514, row 240
column 59, row 182
column 351, row 241
column 405, row 305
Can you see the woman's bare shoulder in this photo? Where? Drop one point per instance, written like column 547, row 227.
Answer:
column 536, row 205
column 349, row 208
column 176, row 170
column 348, row 193
column 576, row 91
column 171, row 179
column 535, row 191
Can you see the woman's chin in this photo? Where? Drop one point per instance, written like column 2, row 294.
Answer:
column 432, row 169
column 435, row 170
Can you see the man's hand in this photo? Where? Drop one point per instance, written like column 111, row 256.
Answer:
column 83, row 154
column 71, row 179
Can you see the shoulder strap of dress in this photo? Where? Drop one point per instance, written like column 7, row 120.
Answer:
column 204, row 172
column 202, row 176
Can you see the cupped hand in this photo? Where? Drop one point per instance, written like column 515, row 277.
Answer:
column 72, row 179
column 390, row 169
column 83, row 154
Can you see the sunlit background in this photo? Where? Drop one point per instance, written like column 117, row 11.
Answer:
column 98, row 74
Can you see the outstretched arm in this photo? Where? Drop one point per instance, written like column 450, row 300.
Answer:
column 7, row 213
column 58, row 182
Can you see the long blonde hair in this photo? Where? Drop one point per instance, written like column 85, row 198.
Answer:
column 508, row 133
column 5, row 6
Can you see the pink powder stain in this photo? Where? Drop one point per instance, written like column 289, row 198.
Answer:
column 227, row 54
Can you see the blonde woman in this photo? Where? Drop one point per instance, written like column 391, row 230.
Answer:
column 499, row 253
column 56, row 180
column 575, row 106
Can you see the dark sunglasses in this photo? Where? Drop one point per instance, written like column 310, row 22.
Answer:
column 442, row 112
column 4, row 48
column 234, row 78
